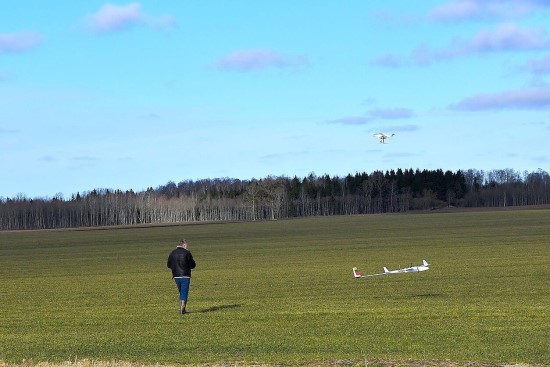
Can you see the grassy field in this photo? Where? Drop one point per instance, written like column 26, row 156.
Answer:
column 282, row 292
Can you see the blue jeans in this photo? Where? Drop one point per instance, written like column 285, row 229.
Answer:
column 183, row 287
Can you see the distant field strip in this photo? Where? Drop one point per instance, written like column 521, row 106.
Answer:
column 282, row 292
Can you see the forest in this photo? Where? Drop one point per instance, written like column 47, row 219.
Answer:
column 272, row 198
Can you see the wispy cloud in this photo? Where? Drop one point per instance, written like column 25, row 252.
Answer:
column 391, row 114
column 467, row 10
column 47, row 158
column 112, row 18
column 257, row 59
column 9, row 131
column 19, row 42
column 150, row 116
column 374, row 115
column 401, row 128
column 455, row 10
column 351, row 120
column 527, row 98
column 503, row 38
column 389, row 60
column 539, row 66
column 507, row 37
column 541, row 159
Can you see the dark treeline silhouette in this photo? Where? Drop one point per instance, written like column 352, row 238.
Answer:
column 226, row 199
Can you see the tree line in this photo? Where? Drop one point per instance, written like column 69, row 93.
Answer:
column 271, row 198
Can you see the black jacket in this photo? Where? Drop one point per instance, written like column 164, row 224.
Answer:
column 181, row 262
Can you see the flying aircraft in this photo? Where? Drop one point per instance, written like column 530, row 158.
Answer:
column 411, row 269
column 382, row 137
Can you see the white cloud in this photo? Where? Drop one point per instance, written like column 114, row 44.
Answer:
column 502, row 38
column 539, row 66
column 391, row 113
column 527, row 98
column 19, row 42
column 466, row 10
column 455, row 10
column 351, row 120
column 507, row 37
column 374, row 115
column 256, row 59
column 388, row 60
column 112, row 18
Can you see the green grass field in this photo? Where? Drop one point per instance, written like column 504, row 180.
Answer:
column 282, row 292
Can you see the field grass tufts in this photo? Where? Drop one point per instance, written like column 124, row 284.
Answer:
column 281, row 293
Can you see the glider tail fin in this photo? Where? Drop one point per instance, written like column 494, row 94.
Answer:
column 356, row 273
column 386, row 270
column 425, row 263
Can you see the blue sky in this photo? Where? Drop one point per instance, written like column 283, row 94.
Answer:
column 127, row 95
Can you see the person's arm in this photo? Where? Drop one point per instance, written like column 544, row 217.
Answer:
column 191, row 261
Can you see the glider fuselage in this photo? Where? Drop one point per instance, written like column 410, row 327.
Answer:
column 411, row 269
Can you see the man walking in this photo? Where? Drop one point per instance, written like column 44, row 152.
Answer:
column 181, row 262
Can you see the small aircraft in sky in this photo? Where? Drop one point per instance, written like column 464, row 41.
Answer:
column 382, row 137
column 411, row 269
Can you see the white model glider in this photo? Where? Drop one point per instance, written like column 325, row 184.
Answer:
column 411, row 269
column 382, row 137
